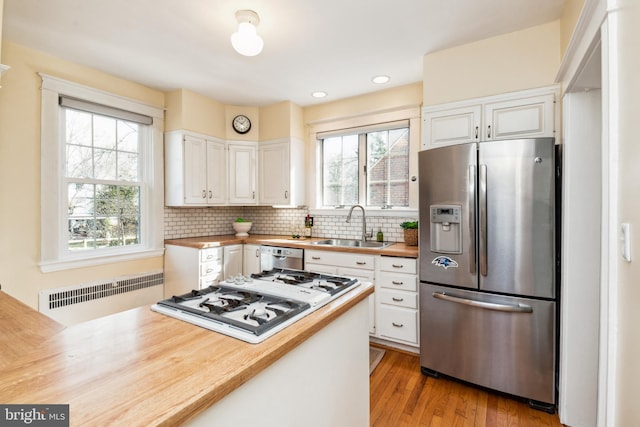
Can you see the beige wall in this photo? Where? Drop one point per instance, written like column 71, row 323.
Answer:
column 568, row 21
column 281, row 120
column 188, row 110
column 520, row 60
column 389, row 99
column 20, row 275
column 1, row 15
column 625, row 104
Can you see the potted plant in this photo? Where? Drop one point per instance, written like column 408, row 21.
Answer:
column 241, row 227
column 410, row 232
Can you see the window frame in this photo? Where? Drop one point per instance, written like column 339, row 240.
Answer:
column 363, row 160
column 371, row 122
column 54, row 254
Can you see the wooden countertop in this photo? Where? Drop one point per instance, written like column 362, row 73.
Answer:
column 396, row 249
column 143, row 368
column 22, row 329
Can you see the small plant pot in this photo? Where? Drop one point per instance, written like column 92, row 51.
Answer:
column 411, row 237
column 242, row 228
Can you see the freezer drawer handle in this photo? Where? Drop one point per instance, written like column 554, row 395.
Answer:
column 520, row 308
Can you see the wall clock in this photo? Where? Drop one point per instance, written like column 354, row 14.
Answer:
column 241, row 124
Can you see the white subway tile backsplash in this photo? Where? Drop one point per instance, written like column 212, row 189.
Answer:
column 194, row 222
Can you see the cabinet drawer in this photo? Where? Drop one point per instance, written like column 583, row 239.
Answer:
column 212, row 279
column 360, row 274
column 399, row 265
column 211, row 254
column 399, row 298
column 403, row 282
column 212, row 267
column 320, row 268
column 398, row 323
column 340, row 259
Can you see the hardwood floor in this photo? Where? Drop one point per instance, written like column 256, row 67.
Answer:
column 402, row 396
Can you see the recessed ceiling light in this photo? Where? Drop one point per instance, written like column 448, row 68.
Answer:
column 319, row 94
column 380, row 79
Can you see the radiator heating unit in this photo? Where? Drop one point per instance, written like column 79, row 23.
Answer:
column 78, row 303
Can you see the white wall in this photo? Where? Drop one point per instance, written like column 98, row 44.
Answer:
column 580, row 288
column 624, row 107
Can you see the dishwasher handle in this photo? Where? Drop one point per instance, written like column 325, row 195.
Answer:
column 520, row 308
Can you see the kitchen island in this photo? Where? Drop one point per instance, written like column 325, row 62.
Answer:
column 140, row 367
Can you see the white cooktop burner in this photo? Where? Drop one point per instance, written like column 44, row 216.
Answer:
column 255, row 308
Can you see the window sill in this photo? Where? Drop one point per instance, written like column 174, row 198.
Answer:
column 377, row 212
column 67, row 264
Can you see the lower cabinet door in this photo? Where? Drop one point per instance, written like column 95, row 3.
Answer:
column 398, row 323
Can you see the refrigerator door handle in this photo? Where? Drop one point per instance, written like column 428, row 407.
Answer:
column 471, row 201
column 482, row 183
column 520, row 308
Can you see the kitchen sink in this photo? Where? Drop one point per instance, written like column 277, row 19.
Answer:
column 352, row 243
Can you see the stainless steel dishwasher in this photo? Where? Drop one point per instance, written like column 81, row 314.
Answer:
column 275, row 257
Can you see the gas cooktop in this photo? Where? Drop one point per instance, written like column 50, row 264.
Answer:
column 256, row 307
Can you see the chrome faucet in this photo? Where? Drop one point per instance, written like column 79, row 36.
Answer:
column 364, row 221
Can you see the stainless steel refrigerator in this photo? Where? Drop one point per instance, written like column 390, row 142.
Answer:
column 488, row 262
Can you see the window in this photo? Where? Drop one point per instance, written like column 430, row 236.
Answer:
column 369, row 166
column 103, row 180
column 102, row 192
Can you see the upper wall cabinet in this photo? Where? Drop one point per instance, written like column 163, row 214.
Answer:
column 195, row 170
column 280, row 169
column 242, row 173
column 526, row 114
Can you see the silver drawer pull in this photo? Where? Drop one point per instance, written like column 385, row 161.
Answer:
column 397, row 299
column 397, row 283
column 209, row 256
column 315, row 257
column 397, row 265
column 361, row 263
column 209, row 270
column 397, row 325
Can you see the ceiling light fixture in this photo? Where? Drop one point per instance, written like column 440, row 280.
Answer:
column 380, row 79
column 319, row 94
column 246, row 41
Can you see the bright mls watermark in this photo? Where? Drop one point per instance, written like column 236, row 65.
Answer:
column 34, row 415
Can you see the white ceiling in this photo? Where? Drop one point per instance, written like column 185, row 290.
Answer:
column 335, row 46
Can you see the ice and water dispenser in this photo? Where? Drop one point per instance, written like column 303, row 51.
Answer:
column 446, row 234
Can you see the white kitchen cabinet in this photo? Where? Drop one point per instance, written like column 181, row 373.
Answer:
column 195, row 170
column 397, row 301
column 188, row 268
column 359, row 266
column 443, row 127
column 250, row 259
column 242, row 173
column 281, row 164
column 524, row 114
column 232, row 260
column 531, row 117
